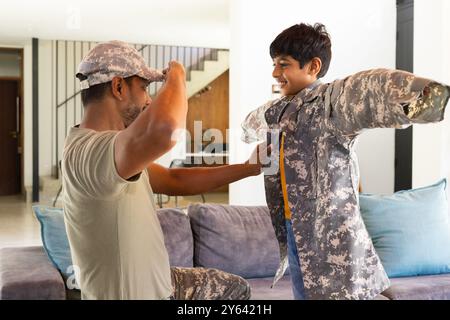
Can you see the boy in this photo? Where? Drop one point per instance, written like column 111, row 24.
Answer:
column 313, row 197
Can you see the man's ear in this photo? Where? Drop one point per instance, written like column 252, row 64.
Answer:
column 315, row 66
column 117, row 87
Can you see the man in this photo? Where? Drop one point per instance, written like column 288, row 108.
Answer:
column 109, row 176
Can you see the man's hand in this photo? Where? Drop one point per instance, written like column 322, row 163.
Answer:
column 259, row 158
column 174, row 69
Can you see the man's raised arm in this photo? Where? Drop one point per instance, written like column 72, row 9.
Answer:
column 151, row 134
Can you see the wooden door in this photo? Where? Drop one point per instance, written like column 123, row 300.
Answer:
column 9, row 138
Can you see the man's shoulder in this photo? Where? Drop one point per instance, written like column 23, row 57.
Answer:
column 85, row 145
column 88, row 164
column 83, row 136
column 77, row 134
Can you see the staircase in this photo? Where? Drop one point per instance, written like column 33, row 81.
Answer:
column 200, row 79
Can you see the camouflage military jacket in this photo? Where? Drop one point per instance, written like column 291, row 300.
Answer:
column 337, row 257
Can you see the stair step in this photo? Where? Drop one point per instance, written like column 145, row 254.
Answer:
column 212, row 70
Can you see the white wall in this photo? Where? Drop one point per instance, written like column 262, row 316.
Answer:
column 45, row 108
column 202, row 23
column 363, row 37
column 431, row 143
column 28, row 113
column 446, row 67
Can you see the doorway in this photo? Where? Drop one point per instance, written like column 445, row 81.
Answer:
column 11, row 136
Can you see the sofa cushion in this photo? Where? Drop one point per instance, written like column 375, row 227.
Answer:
column 54, row 237
column 282, row 290
column 435, row 287
column 177, row 237
column 410, row 230
column 235, row 239
column 261, row 289
column 174, row 223
column 26, row 273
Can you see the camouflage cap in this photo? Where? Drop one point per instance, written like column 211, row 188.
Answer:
column 114, row 59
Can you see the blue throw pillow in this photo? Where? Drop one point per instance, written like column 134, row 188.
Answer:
column 54, row 237
column 410, row 230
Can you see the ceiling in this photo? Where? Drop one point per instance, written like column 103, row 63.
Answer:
column 172, row 22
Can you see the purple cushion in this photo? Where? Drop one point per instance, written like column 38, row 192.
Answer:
column 177, row 237
column 436, row 287
column 235, row 239
column 27, row 273
column 261, row 289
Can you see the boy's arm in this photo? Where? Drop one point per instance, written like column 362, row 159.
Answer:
column 383, row 98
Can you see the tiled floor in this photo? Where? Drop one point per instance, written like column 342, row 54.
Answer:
column 19, row 226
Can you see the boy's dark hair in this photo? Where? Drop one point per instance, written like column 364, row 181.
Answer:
column 97, row 92
column 303, row 42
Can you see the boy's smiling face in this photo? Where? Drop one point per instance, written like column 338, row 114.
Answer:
column 292, row 78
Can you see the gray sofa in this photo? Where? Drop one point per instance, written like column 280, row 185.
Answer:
column 236, row 239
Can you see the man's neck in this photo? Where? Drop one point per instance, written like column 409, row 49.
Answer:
column 101, row 116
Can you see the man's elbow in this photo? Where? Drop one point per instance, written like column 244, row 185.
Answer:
column 168, row 133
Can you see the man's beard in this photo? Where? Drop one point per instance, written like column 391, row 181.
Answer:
column 130, row 114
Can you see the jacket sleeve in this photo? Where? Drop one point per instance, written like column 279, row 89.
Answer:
column 383, row 98
column 255, row 126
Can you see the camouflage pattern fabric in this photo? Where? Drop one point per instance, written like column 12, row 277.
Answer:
column 255, row 125
column 208, row 284
column 114, row 59
column 337, row 257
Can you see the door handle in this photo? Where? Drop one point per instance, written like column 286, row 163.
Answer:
column 13, row 134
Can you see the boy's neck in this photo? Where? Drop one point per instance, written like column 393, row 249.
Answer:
column 311, row 86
